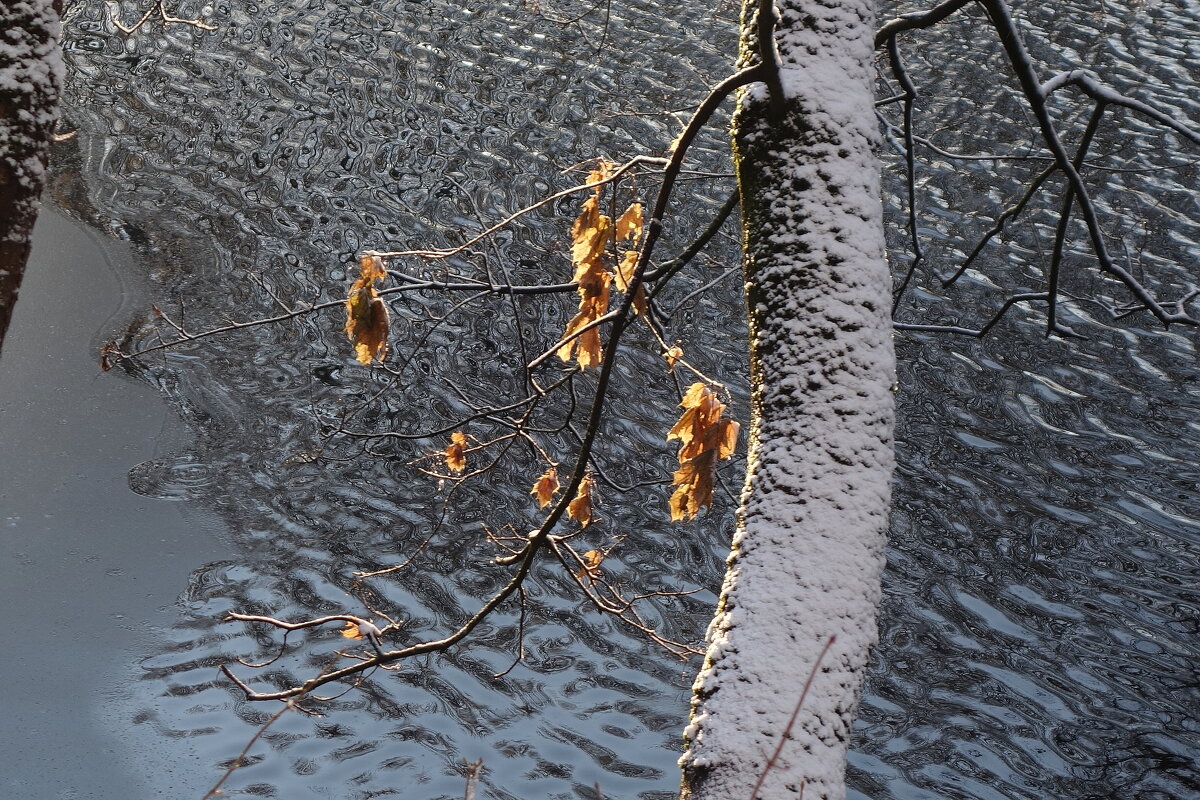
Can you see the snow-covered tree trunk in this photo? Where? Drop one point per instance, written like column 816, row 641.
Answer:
column 808, row 551
column 30, row 80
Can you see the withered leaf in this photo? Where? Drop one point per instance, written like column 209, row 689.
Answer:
column 624, row 277
column 704, row 438
column 593, row 304
column 590, row 235
column 602, row 171
column 580, row 509
column 629, row 224
column 455, row 453
column 625, row 268
column 672, row 355
column 591, row 565
column 370, row 268
column 366, row 315
column 545, row 487
column 351, row 631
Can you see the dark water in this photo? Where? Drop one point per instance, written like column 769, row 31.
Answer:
column 1039, row 636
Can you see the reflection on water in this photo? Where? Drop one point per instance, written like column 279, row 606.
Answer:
column 1039, row 631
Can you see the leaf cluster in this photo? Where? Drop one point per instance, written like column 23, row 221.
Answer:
column 593, row 239
column 704, row 438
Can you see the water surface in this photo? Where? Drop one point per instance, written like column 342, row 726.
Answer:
column 1040, row 618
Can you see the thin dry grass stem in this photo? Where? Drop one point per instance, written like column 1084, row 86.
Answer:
column 473, row 770
column 787, row 732
column 240, row 758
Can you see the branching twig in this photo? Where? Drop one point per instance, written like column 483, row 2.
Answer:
column 114, row 14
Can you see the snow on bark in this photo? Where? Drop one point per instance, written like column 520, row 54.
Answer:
column 31, row 73
column 807, row 556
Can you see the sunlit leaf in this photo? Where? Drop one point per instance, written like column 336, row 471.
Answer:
column 629, row 224
column 455, row 453
column 580, row 509
column 672, row 355
column 603, row 171
column 370, row 268
column 624, row 278
column 590, row 235
column 591, row 565
column 545, row 487
column 366, row 315
column 593, row 304
column 625, row 268
column 704, row 438
column 351, row 631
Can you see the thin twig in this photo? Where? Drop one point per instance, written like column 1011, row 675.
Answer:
column 787, row 732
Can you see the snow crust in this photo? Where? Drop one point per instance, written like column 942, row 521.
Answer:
column 808, row 554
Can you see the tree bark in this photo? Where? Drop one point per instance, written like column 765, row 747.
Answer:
column 808, row 552
column 31, row 75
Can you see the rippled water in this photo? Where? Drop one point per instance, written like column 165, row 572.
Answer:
column 1040, row 626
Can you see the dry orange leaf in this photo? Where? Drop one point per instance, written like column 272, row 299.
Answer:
column 366, row 315
column 625, row 269
column 602, row 171
column 580, row 509
column 370, row 268
column 593, row 304
column 673, row 354
column 590, row 236
column 704, row 438
column 455, row 454
column 351, row 631
column 624, row 277
column 629, row 224
column 591, row 565
column 545, row 487
column 592, row 233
